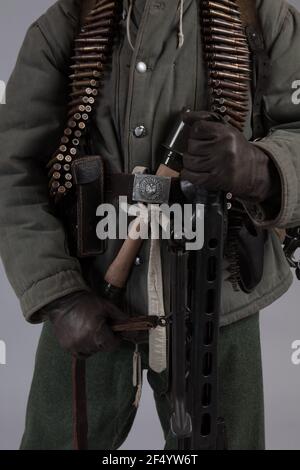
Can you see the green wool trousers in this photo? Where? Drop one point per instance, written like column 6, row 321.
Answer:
column 111, row 394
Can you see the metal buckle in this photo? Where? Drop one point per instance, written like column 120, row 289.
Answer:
column 151, row 189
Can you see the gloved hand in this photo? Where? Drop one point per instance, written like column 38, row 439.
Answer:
column 219, row 157
column 80, row 323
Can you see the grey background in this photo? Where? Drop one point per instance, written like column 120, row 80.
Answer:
column 280, row 323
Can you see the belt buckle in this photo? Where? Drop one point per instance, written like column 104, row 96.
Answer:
column 151, row 189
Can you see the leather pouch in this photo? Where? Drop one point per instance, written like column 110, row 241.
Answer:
column 88, row 177
column 251, row 246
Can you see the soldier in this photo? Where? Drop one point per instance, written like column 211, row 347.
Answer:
column 157, row 69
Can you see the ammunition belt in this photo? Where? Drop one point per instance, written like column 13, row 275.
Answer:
column 92, row 55
column 227, row 53
column 228, row 59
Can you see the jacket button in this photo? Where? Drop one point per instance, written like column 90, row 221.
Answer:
column 141, row 67
column 140, row 131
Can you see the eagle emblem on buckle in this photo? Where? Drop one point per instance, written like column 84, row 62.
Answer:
column 151, row 189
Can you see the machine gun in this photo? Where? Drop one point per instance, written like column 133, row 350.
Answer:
column 195, row 311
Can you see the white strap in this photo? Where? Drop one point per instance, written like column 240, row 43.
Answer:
column 157, row 337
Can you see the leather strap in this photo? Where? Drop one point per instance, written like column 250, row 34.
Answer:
column 260, row 61
column 261, row 70
column 85, row 8
column 248, row 12
column 143, row 323
column 80, row 419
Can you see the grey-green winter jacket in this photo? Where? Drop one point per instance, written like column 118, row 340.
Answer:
column 32, row 239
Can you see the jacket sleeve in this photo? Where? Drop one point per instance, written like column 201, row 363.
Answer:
column 281, row 112
column 32, row 239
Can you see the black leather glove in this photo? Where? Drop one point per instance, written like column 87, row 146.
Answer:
column 80, row 323
column 219, row 157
